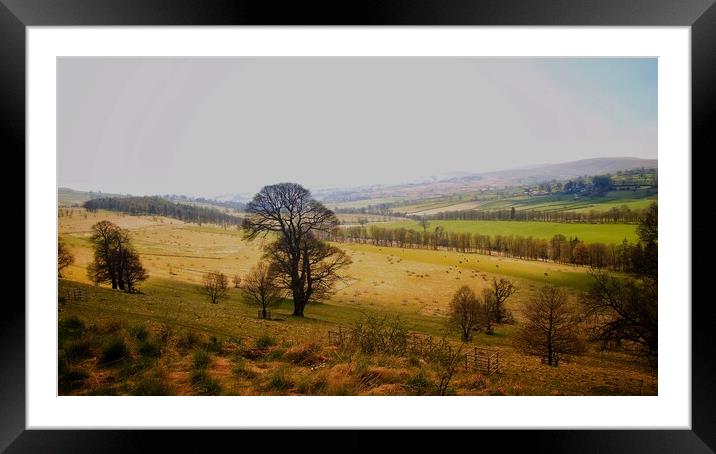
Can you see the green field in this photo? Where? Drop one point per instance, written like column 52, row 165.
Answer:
column 590, row 233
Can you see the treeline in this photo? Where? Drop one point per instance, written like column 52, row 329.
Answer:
column 624, row 256
column 157, row 206
column 238, row 206
column 615, row 215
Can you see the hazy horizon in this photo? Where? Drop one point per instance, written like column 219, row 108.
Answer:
column 214, row 126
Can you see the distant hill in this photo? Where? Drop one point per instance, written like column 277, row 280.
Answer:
column 468, row 182
column 67, row 197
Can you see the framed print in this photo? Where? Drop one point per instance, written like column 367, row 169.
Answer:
column 406, row 218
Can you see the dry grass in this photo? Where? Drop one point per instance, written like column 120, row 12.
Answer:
column 165, row 325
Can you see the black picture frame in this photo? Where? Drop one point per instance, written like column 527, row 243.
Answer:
column 16, row 15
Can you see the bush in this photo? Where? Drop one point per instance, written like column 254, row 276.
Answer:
column 188, row 341
column 202, row 360
column 153, row 386
column 419, row 385
column 71, row 327
column 77, row 350
column 150, row 348
column 213, row 345
column 304, row 355
column 386, row 335
column 265, row 341
column 279, row 380
column 204, row 384
column 240, row 369
column 113, row 351
column 71, row 379
column 138, row 332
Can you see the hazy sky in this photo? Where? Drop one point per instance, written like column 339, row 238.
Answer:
column 211, row 126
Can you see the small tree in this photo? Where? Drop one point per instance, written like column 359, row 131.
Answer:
column 465, row 312
column 64, row 258
column 551, row 329
column 488, row 311
column 216, row 285
column 502, row 290
column 424, row 223
column 237, row 281
column 261, row 286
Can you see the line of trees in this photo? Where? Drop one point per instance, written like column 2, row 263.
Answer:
column 625, row 256
column 115, row 261
column 157, row 206
column 614, row 215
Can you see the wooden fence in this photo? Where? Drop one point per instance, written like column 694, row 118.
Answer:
column 75, row 294
column 483, row 360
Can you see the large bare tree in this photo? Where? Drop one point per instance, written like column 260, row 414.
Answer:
column 115, row 260
column 262, row 287
column 551, row 327
column 306, row 266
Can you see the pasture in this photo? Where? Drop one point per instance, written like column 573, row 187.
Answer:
column 589, row 233
column 414, row 284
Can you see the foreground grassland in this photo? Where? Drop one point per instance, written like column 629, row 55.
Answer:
column 170, row 340
column 589, row 233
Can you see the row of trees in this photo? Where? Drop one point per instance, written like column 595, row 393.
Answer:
column 615, row 215
column 261, row 285
column 624, row 256
column 115, row 260
column 157, row 206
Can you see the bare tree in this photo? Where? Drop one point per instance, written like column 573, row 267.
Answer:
column 502, row 290
column 623, row 311
column 306, row 266
column 237, row 281
column 261, row 286
column 64, row 257
column 216, row 285
column 465, row 312
column 487, row 309
column 551, row 329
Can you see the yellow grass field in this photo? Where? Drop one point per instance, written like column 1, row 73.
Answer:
column 415, row 284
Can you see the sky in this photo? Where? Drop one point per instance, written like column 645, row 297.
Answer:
column 215, row 126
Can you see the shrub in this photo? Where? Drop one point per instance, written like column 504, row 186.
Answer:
column 71, row 327
column 204, row 384
column 279, row 380
column 138, row 332
column 213, row 345
column 265, row 341
column 275, row 354
column 387, row 335
column 202, row 359
column 304, row 355
column 71, row 379
column 150, row 348
column 240, row 369
column 76, row 350
column 187, row 341
column 153, row 386
column 113, row 351
column 419, row 385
